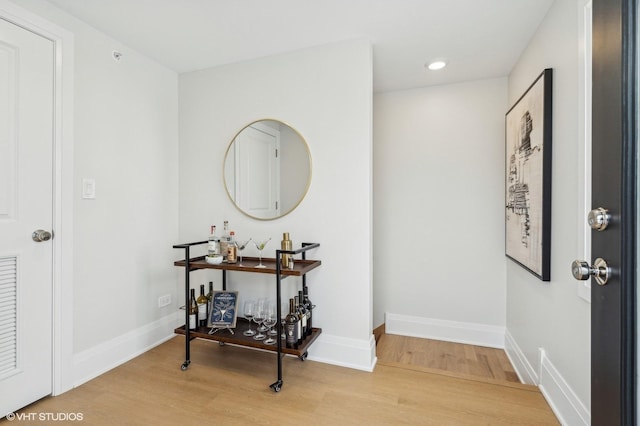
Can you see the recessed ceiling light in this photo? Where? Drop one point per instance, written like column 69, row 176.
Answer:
column 436, row 65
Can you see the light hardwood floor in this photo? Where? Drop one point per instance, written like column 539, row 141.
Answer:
column 439, row 356
column 229, row 385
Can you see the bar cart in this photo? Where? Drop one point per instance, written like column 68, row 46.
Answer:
column 273, row 266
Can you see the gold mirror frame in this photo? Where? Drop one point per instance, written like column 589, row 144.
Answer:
column 293, row 137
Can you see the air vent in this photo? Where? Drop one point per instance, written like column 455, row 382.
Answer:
column 8, row 315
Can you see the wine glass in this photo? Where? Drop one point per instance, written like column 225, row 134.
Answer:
column 260, row 246
column 242, row 244
column 258, row 318
column 271, row 319
column 262, row 306
column 273, row 331
column 249, row 312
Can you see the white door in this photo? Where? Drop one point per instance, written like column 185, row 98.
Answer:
column 258, row 171
column 26, row 191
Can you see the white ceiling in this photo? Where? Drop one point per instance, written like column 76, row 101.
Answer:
column 479, row 38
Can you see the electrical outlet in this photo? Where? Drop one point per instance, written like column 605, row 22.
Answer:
column 164, row 300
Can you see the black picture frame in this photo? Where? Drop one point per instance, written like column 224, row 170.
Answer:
column 223, row 312
column 528, row 149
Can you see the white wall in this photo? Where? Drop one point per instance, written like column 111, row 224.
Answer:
column 126, row 133
column 126, row 138
column 438, row 211
column 325, row 94
column 550, row 315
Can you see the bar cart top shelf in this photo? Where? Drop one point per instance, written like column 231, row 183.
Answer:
column 300, row 266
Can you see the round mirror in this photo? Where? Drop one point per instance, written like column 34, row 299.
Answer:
column 267, row 169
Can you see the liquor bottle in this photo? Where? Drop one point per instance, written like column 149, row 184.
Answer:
column 285, row 244
column 232, row 248
column 224, row 240
column 193, row 311
column 304, row 314
column 307, row 304
column 202, row 307
column 300, row 328
column 213, row 249
column 291, row 327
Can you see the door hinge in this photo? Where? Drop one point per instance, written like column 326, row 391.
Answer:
column 276, row 153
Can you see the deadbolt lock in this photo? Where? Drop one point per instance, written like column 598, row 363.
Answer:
column 598, row 219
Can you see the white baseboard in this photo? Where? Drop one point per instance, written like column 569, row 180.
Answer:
column 561, row 398
column 564, row 402
column 351, row 353
column 449, row 331
column 99, row 359
column 525, row 371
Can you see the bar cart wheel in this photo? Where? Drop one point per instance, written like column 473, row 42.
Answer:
column 277, row 386
column 221, row 343
column 185, row 365
column 304, row 356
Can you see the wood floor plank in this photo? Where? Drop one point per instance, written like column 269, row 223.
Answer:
column 229, row 385
column 447, row 356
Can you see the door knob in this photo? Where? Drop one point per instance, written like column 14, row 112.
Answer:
column 41, row 235
column 598, row 219
column 581, row 270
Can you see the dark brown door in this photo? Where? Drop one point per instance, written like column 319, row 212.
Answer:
column 614, row 150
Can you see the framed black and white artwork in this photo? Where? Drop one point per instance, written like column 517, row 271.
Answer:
column 528, row 178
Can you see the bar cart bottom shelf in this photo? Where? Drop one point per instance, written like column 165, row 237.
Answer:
column 224, row 336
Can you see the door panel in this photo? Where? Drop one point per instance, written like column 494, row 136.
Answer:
column 614, row 188
column 7, row 128
column 26, row 188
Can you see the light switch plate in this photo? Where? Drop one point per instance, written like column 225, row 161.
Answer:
column 88, row 189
